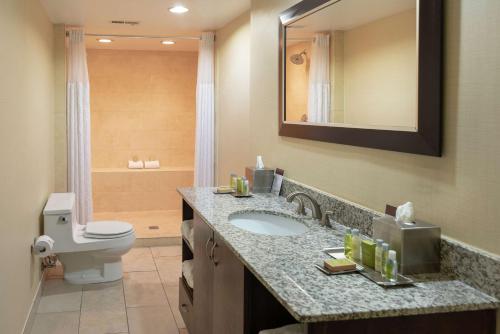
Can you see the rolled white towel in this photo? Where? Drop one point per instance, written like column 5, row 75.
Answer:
column 288, row 329
column 135, row 164
column 152, row 164
column 191, row 238
column 187, row 272
column 187, row 231
column 405, row 213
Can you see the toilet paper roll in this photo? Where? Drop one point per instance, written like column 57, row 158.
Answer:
column 43, row 246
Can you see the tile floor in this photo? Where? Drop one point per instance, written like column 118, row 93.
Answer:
column 168, row 222
column 144, row 302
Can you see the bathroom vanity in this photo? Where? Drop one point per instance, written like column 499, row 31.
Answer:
column 245, row 282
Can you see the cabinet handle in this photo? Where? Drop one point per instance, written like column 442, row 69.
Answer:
column 210, row 239
column 212, row 255
column 184, row 308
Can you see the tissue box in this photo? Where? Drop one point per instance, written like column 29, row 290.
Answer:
column 418, row 245
column 260, row 180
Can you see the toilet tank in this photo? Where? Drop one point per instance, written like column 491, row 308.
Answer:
column 58, row 220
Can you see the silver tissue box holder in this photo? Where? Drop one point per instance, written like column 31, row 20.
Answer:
column 418, row 245
column 260, row 180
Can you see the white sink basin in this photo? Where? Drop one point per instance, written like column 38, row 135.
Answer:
column 267, row 223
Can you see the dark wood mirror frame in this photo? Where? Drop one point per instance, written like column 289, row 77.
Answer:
column 427, row 139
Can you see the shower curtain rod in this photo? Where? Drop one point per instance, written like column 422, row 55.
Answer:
column 141, row 36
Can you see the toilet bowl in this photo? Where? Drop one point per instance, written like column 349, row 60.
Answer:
column 90, row 253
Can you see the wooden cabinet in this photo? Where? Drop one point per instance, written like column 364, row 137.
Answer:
column 228, row 290
column 218, row 298
column 203, row 276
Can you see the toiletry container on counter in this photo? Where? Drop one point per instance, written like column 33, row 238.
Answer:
column 417, row 245
column 260, row 180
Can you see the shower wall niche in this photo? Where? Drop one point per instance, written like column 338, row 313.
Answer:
column 142, row 107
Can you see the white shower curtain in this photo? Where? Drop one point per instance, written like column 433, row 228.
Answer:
column 318, row 101
column 204, row 146
column 78, row 122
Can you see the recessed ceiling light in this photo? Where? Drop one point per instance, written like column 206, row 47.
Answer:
column 167, row 42
column 104, row 40
column 179, row 9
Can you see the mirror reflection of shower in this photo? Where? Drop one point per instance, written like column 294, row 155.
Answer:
column 298, row 58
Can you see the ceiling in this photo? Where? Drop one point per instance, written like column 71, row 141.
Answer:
column 154, row 18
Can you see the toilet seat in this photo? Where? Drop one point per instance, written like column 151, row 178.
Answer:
column 112, row 229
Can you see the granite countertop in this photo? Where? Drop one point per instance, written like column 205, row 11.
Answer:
column 285, row 265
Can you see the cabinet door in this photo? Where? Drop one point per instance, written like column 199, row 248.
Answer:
column 203, row 277
column 228, row 290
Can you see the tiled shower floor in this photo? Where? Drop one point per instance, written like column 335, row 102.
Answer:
column 144, row 302
column 148, row 224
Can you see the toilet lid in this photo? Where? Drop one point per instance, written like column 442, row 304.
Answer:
column 108, row 229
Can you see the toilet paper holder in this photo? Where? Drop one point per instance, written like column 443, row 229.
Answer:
column 49, row 261
column 36, row 250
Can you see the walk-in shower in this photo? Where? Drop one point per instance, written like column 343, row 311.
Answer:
column 142, row 97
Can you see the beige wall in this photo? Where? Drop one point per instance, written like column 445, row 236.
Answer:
column 142, row 105
column 26, row 148
column 459, row 191
column 232, row 98
column 60, row 143
column 297, row 82
column 380, row 72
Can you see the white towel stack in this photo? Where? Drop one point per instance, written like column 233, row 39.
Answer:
column 135, row 164
column 188, row 232
column 152, row 164
column 288, row 329
column 187, row 272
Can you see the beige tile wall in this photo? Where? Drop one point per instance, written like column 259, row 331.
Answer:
column 297, row 82
column 123, row 190
column 143, row 105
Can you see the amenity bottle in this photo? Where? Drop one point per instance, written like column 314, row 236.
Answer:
column 378, row 255
column 391, row 266
column 348, row 243
column 385, row 254
column 356, row 245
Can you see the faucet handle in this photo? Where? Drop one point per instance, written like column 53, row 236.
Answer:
column 325, row 219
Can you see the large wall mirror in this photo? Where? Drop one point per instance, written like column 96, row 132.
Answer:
column 363, row 72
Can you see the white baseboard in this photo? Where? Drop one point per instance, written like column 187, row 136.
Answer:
column 34, row 305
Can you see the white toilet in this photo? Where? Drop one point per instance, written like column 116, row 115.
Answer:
column 90, row 253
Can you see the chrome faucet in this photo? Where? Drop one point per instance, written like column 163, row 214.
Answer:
column 325, row 220
column 316, row 210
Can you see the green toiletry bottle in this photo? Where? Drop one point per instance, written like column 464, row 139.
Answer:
column 385, row 254
column 244, row 187
column 348, row 243
column 239, row 185
column 233, row 180
column 356, row 245
column 378, row 255
column 391, row 266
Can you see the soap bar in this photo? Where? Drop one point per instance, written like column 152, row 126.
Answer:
column 224, row 190
column 336, row 265
column 368, row 253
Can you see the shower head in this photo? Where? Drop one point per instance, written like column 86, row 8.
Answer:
column 298, row 58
